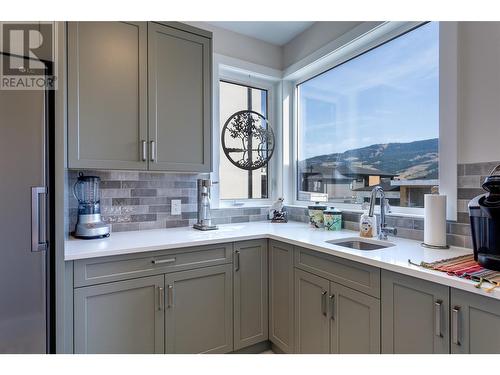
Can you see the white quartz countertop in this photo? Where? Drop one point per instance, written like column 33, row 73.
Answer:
column 300, row 234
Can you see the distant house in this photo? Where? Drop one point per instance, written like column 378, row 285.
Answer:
column 344, row 182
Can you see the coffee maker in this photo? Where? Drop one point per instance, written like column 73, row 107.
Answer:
column 89, row 224
column 484, row 213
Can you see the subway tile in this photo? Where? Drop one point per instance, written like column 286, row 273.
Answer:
column 143, row 192
column 159, row 208
column 462, row 205
column 111, row 219
column 125, row 201
column 461, row 169
column 189, row 215
column 185, row 184
column 468, row 242
column 123, row 175
column 154, row 200
column 158, row 224
column 463, row 217
column 115, row 193
column 455, row 240
column 418, row 224
column 240, row 219
column 220, row 220
column 124, row 227
column 128, row 210
column 469, row 182
column 251, row 211
column 143, row 217
column 258, row 218
column 480, row 169
column 460, row 229
column 468, row 193
column 176, row 223
column 106, row 184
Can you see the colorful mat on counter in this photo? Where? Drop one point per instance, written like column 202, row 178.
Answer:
column 465, row 267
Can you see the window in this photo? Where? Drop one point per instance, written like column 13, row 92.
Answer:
column 373, row 120
column 236, row 183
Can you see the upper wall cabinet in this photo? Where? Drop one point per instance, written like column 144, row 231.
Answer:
column 107, row 95
column 179, row 78
column 139, row 96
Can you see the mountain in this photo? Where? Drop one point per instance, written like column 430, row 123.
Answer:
column 413, row 160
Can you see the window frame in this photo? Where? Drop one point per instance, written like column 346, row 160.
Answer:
column 448, row 107
column 253, row 79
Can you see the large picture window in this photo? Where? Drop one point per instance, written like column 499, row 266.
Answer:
column 373, row 120
column 236, row 183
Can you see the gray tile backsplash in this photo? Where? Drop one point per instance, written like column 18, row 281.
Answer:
column 142, row 200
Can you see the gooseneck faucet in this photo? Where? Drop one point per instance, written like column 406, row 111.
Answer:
column 383, row 229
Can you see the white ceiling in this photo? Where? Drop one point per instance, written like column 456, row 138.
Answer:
column 276, row 32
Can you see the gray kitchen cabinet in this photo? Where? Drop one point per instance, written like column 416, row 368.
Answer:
column 120, row 317
column 312, row 326
column 354, row 321
column 415, row 315
column 250, row 293
column 179, row 90
column 107, row 95
column 475, row 323
column 199, row 310
column 281, row 325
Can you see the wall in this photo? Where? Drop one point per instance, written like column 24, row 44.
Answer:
column 142, row 200
column 312, row 39
column 479, row 95
column 229, row 43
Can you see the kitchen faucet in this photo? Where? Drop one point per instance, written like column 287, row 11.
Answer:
column 383, row 229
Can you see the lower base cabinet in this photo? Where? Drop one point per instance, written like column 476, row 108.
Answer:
column 475, row 323
column 415, row 315
column 281, row 322
column 332, row 318
column 120, row 317
column 199, row 310
column 250, row 293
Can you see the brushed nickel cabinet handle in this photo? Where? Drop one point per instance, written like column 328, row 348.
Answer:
column 144, row 151
column 161, row 303
column 455, row 337
column 236, row 260
column 170, row 296
column 37, row 220
column 332, row 307
column 163, row 261
column 153, row 150
column 437, row 318
column 323, row 302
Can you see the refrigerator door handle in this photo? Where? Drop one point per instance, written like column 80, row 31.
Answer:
column 36, row 221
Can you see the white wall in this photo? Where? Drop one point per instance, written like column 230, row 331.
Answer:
column 479, row 95
column 238, row 46
column 312, row 39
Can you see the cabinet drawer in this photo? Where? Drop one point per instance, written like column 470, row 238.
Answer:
column 355, row 275
column 107, row 269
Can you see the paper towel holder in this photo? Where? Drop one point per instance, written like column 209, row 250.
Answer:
column 435, row 190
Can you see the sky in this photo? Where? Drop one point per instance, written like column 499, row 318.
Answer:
column 389, row 94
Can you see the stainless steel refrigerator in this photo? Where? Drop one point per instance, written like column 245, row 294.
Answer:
column 25, row 216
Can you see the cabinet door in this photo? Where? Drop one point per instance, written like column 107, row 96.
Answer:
column 250, row 293
column 179, row 71
column 281, row 327
column 120, row 317
column 354, row 321
column 199, row 310
column 415, row 315
column 475, row 323
column 107, row 95
column 312, row 334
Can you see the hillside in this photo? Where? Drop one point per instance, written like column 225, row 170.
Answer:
column 413, row 160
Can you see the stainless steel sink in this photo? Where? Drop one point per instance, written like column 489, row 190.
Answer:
column 358, row 243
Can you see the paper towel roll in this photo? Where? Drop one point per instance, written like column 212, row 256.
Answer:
column 435, row 220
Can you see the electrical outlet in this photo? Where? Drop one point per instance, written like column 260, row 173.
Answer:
column 175, row 207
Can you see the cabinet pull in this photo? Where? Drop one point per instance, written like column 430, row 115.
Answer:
column 163, row 261
column 236, row 260
column 161, row 303
column 332, row 307
column 144, row 151
column 153, row 150
column 437, row 318
column 454, row 326
column 170, row 291
column 323, row 302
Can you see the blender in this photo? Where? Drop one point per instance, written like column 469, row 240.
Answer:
column 89, row 224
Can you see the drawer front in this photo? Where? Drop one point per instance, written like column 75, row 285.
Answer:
column 354, row 275
column 122, row 267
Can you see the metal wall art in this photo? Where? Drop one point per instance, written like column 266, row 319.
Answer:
column 247, row 140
